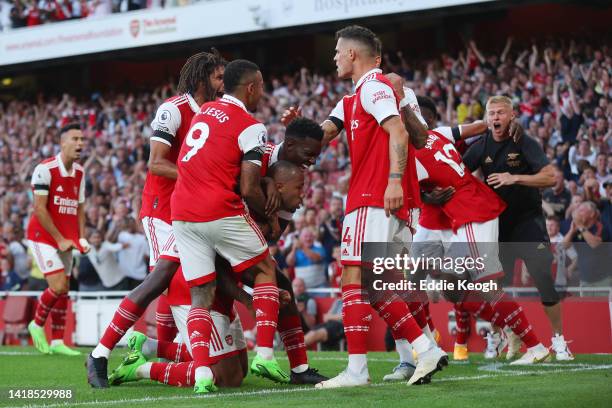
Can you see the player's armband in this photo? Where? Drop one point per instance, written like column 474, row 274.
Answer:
column 161, row 136
column 456, row 130
column 254, row 156
column 336, row 121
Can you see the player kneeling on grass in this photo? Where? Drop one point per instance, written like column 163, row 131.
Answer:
column 227, row 353
column 228, row 348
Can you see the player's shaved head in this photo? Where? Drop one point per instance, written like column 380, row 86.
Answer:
column 239, row 72
column 362, row 36
column 284, row 171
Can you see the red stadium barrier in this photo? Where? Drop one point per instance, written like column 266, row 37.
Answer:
column 587, row 324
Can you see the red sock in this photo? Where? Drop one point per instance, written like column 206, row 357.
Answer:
column 290, row 330
column 396, row 314
column 265, row 299
column 430, row 322
column 512, row 315
column 177, row 374
column 199, row 328
column 124, row 318
column 356, row 316
column 58, row 317
column 45, row 304
column 172, row 351
column 462, row 319
column 418, row 312
column 166, row 328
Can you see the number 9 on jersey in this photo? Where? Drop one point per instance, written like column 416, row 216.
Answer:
column 196, row 138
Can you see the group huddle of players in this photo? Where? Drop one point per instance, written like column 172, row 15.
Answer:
column 216, row 193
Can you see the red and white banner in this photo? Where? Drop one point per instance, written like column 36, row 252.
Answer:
column 201, row 20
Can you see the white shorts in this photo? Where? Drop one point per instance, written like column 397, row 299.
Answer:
column 161, row 241
column 49, row 259
column 369, row 224
column 237, row 239
column 226, row 339
column 476, row 240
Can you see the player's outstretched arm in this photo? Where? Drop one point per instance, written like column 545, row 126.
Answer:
column 158, row 164
column 330, row 132
column 398, row 158
column 40, row 209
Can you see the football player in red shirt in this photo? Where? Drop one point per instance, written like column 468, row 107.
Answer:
column 465, row 226
column 383, row 190
column 227, row 346
column 201, row 81
column 219, row 169
column 56, row 227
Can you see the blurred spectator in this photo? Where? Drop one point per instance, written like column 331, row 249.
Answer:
column 334, row 270
column 308, row 259
column 557, row 198
column 133, row 256
column 331, row 228
column 306, row 306
column 101, row 263
column 331, row 331
column 18, row 249
column 592, row 245
column 565, row 259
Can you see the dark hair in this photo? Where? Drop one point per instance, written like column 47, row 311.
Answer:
column 427, row 103
column 553, row 218
column 302, row 128
column 70, row 126
column 362, row 35
column 235, row 72
column 197, row 70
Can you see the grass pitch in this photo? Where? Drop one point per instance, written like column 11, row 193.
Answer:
column 584, row 382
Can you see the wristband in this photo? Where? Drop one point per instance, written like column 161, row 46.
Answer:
column 396, row 175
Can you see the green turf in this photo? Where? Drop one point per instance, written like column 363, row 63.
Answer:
column 585, row 382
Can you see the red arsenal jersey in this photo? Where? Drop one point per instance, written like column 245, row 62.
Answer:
column 374, row 101
column 210, row 160
column 440, row 165
column 65, row 192
column 170, row 126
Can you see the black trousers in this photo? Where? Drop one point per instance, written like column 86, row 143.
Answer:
column 528, row 240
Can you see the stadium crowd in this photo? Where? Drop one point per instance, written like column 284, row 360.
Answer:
column 28, row 13
column 562, row 96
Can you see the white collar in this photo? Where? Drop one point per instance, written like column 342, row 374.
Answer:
column 367, row 74
column 235, row 101
column 192, row 103
column 274, row 156
column 62, row 167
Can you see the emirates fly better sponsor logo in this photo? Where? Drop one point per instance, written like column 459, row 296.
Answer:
column 66, row 206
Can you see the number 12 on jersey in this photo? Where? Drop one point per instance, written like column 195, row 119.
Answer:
column 196, row 138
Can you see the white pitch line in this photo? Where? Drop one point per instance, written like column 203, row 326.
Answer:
column 271, row 391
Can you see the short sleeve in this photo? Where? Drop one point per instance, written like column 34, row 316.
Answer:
column 410, row 100
column 82, row 190
column 447, row 132
column 166, row 123
column 472, row 157
column 252, row 142
column 337, row 115
column 311, row 307
column 41, row 180
column 378, row 100
column 533, row 153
